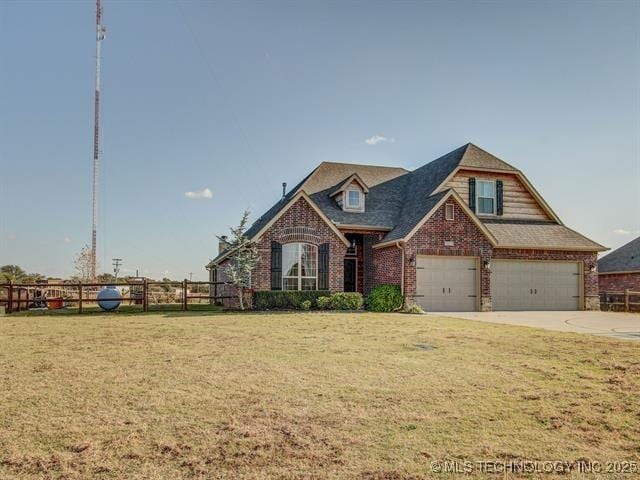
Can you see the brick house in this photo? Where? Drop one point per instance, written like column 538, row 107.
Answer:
column 464, row 232
column 620, row 270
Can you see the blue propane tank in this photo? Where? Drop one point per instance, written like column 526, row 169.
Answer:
column 109, row 298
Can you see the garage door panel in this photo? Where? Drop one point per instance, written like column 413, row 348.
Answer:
column 446, row 283
column 535, row 285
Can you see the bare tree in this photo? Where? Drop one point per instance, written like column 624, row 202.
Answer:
column 83, row 264
column 242, row 260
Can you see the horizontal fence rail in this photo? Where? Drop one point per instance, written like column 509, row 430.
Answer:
column 16, row 296
column 620, row 301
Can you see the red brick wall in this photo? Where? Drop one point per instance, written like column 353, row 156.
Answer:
column 315, row 231
column 619, row 282
column 430, row 239
column 387, row 266
column 470, row 241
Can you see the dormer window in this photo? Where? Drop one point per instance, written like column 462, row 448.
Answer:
column 350, row 194
column 486, row 197
column 354, row 199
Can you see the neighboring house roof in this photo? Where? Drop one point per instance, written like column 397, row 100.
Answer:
column 624, row 259
column 398, row 201
column 539, row 235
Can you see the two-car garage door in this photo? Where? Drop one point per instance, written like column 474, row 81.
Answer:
column 535, row 285
column 451, row 284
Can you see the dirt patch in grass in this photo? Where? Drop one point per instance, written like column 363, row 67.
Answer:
column 304, row 396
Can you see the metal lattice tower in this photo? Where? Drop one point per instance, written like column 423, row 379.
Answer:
column 100, row 35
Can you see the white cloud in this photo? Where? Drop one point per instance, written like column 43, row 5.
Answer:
column 66, row 240
column 376, row 139
column 199, row 194
column 621, row 231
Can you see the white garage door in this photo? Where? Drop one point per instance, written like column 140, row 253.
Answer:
column 519, row 285
column 446, row 284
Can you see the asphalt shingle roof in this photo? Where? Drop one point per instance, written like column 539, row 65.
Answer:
column 544, row 235
column 398, row 199
column 624, row 259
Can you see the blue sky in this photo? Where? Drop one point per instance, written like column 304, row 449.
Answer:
column 239, row 97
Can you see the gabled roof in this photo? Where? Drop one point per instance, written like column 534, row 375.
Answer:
column 404, row 231
column 624, row 259
column 329, row 174
column 352, row 178
column 398, row 200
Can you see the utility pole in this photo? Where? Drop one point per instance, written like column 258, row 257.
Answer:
column 117, row 262
column 100, row 35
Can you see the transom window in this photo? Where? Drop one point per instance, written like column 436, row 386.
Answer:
column 299, row 266
column 354, row 199
column 486, row 196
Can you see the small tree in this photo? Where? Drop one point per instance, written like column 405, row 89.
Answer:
column 243, row 258
column 12, row 273
column 82, row 264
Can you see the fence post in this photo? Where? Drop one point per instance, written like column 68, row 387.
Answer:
column 184, row 294
column 626, row 300
column 10, row 297
column 79, row 297
column 145, row 287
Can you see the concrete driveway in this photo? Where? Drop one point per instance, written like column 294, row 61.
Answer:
column 610, row 324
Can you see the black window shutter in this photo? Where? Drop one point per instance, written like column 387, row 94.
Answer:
column 323, row 267
column 472, row 194
column 499, row 197
column 276, row 266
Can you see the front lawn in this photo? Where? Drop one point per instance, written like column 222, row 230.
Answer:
column 318, row 395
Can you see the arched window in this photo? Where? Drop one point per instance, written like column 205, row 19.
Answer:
column 299, row 266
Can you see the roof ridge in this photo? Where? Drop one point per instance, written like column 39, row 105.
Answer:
column 364, row 165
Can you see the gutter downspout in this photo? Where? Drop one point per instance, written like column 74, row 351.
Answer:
column 401, row 269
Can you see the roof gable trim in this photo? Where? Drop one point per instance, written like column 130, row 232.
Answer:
column 312, row 204
column 345, row 185
column 530, row 188
column 450, row 193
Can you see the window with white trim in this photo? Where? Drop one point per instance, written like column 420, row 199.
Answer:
column 448, row 211
column 299, row 266
column 354, row 199
column 486, row 197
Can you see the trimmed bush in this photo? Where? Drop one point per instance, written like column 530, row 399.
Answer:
column 346, row 301
column 285, row 299
column 306, row 305
column 323, row 303
column 385, row 298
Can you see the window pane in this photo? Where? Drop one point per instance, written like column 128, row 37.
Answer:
column 290, row 259
column 485, row 189
column 290, row 283
column 354, row 198
column 485, row 205
column 308, row 262
column 308, row 284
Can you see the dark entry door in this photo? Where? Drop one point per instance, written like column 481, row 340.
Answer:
column 349, row 274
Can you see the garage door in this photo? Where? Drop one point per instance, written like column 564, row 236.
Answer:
column 518, row 285
column 446, row 284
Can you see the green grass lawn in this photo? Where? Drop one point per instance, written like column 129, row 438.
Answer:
column 195, row 395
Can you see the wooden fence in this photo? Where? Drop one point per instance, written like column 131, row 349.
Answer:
column 147, row 294
column 626, row 301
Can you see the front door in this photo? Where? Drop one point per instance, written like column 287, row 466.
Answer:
column 349, row 274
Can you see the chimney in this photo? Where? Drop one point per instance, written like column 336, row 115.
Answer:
column 284, row 189
column 222, row 244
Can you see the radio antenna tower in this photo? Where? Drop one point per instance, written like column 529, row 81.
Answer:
column 100, row 35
